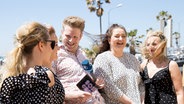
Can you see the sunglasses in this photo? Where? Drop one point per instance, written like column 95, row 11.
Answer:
column 53, row 43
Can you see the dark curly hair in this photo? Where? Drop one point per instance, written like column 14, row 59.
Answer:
column 105, row 44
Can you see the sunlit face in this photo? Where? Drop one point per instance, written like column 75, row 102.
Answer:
column 56, row 48
column 71, row 38
column 118, row 39
column 47, row 52
column 152, row 45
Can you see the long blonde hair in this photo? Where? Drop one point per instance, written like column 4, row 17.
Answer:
column 26, row 38
column 162, row 44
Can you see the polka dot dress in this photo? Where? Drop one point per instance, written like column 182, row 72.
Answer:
column 159, row 89
column 29, row 89
column 121, row 76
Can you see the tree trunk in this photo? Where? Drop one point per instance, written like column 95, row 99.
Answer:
column 132, row 50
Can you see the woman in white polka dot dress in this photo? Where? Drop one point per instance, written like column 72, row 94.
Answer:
column 119, row 69
column 161, row 76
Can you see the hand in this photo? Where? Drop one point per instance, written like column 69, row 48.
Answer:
column 100, row 83
column 129, row 102
column 125, row 100
column 79, row 96
column 83, row 96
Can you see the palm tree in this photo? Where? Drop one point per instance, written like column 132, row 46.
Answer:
column 177, row 36
column 96, row 48
column 162, row 17
column 95, row 5
column 92, row 5
column 150, row 29
column 90, row 54
column 60, row 38
column 134, row 41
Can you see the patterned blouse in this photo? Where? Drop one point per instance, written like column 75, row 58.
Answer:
column 70, row 71
column 121, row 77
column 29, row 89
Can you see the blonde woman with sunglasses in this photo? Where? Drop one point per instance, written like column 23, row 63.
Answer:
column 24, row 79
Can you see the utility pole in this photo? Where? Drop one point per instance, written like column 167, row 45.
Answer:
column 99, row 13
column 96, row 5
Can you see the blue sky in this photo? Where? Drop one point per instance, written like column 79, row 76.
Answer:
column 133, row 14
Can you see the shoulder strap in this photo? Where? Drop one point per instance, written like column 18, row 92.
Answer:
column 143, row 67
column 169, row 62
column 147, row 62
column 168, row 65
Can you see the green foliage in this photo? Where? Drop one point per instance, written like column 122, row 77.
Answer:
column 91, row 53
column 134, row 41
column 95, row 5
column 163, row 15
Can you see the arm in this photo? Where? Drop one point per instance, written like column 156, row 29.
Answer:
column 177, row 81
column 142, row 90
column 77, row 96
column 40, row 75
column 103, row 69
column 65, row 69
column 125, row 100
column 51, row 77
column 15, row 84
column 183, row 77
column 112, row 90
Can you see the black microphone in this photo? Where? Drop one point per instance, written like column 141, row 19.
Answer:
column 88, row 68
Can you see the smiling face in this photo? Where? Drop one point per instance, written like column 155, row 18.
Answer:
column 56, row 48
column 117, row 40
column 153, row 45
column 71, row 38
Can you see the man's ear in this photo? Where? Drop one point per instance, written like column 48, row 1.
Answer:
column 81, row 36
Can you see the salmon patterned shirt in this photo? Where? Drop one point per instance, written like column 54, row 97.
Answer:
column 69, row 70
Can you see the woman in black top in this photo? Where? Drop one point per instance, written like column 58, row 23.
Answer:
column 162, row 77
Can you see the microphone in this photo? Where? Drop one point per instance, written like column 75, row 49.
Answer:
column 88, row 68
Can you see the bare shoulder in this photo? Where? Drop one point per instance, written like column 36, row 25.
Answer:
column 143, row 64
column 51, row 77
column 173, row 67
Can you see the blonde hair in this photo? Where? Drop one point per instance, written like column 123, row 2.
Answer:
column 26, row 38
column 74, row 22
column 162, row 44
column 50, row 29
